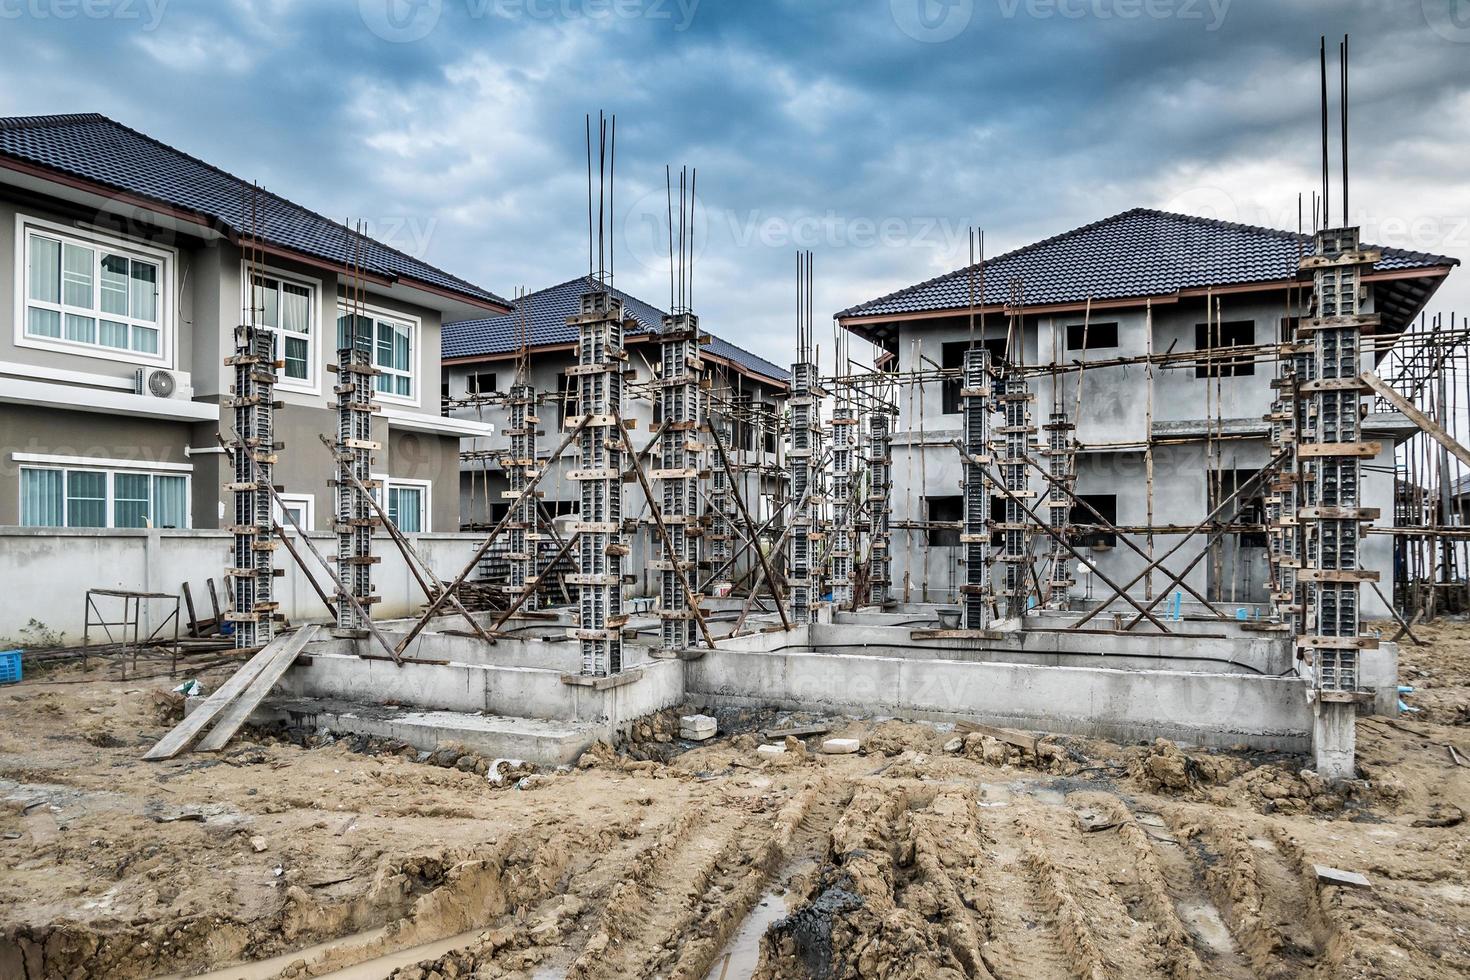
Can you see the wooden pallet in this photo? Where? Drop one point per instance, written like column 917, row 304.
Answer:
column 236, row 698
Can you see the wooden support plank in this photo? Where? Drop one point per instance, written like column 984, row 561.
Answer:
column 1019, row 739
column 1433, row 428
column 239, row 709
column 214, row 601
column 189, row 605
column 185, row 732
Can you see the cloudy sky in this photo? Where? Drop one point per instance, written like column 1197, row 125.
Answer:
column 874, row 132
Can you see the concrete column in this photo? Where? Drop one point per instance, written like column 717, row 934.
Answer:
column 1334, row 739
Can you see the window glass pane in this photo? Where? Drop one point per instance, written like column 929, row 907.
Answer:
column 81, row 328
column 170, row 501
column 114, row 334
column 130, row 499
column 385, row 345
column 267, row 303
column 295, row 308
column 86, row 499
column 405, row 386
column 364, row 331
column 384, row 383
column 45, row 269
column 296, row 357
column 145, row 291
column 145, row 339
column 405, row 508
column 114, row 285
column 76, row 275
column 41, row 498
column 400, row 348
column 43, row 323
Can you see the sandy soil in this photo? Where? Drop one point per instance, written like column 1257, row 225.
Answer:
column 927, row 855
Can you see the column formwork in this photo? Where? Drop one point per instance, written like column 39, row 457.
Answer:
column 597, row 380
column 252, row 567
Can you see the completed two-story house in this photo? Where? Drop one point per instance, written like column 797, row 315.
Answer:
column 125, row 267
column 1139, row 283
column 480, row 360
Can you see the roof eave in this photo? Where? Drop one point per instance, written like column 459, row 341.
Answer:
column 857, row 322
column 212, row 227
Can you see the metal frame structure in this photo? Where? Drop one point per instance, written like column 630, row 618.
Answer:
column 684, row 405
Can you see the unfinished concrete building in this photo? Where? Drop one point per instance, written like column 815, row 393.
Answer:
column 746, row 396
column 1159, row 443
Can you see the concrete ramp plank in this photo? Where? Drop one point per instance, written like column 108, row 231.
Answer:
column 186, row 731
column 241, row 707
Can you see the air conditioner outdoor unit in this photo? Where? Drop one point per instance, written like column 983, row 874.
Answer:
column 154, row 381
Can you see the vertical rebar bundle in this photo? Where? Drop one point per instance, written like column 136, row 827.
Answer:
column 601, row 545
column 1060, row 463
column 844, row 458
column 254, row 456
column 1331, row 455
column 721, row 502
column 519, row 464
column 683, row 401
column 975, row 535
column 1015, row 398
column 804, row 460
column 353, row 519
column 880, row 488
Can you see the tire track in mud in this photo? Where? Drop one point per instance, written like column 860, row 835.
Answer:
column 1023, row 933
column 1270, row 909
column 799, row 832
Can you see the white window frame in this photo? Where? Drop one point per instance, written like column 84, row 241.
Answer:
column 307, row 503
column 415, row 349
column 110, row 502
column 167, row 259
column 312, row 384
column 385, row 483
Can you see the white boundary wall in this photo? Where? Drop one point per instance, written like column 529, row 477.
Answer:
column 45, row 573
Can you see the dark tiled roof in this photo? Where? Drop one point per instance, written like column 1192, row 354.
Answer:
column 549, row 310
column 99, row 150
column 1134, row 254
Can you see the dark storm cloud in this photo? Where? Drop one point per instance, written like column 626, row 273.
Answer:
column 872, row 132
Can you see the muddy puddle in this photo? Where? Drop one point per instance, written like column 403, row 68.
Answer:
column 377, row 968
column 739, row 958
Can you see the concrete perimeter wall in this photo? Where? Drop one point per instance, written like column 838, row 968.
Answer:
column 45, row 574
column 1123, row 705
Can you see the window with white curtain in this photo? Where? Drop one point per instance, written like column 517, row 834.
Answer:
column 406, row 508
column 286, row 307
column 407, row 502
column 92, row 293
column 75, row 497
column 391, row 341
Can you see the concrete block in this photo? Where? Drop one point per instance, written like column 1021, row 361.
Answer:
column 840, row 746
column 697, row 728
column 770, row 751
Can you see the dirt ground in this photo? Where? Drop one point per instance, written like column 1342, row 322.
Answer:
column 929, row 854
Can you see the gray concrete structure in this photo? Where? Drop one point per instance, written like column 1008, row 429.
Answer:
column 1195, row 424
column 70, row 403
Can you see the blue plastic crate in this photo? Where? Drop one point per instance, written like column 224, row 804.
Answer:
column 10, row 667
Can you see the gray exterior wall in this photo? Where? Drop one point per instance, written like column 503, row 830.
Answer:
column 1114, row 409
column 204, row 285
